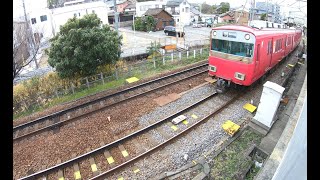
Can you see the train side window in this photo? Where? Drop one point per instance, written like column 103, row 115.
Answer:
column 269, row 50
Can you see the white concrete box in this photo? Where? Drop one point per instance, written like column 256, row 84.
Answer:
column 269, row 103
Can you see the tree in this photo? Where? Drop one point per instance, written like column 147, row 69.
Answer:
column 82, row 45
column 22, row 56
column 55, row 3
column 206, row 9
column 224, row 7
column 214, row 8
column 150, row 23
column 153, row 49
column 145, row 23
column 263, row 17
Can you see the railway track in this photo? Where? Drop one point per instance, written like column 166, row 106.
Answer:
column 56, row 120
column 128, row 157
column 107, row 150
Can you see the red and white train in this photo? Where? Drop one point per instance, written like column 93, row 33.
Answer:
column 240, row 55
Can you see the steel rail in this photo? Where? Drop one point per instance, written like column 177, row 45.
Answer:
column 169, row 140
column 60, row 123
column 59, row 113
column 112, row 144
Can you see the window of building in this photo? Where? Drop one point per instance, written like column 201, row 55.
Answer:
column 182, row 9
column 177, row 20
column 75, row 14
column 33, row 20
column 187, row 9
column 157, row 6
column 43, row 18
column 93, row 11
column 79, row 14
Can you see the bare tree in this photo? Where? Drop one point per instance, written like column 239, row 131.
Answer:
column 21, row 54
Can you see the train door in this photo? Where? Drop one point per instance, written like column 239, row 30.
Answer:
column 258, row 64
column 269, row 54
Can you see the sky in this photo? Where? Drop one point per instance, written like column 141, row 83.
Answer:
column 285, row 5
column 30, row 5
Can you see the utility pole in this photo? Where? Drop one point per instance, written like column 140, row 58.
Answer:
column 29, row 34
column 253, row 6
column 267, row 11
column 116, row 23
column 115, row 16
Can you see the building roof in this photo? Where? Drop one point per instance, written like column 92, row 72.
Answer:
column 195, row 11
column 194, row 4
column 79, row 7
column 155, row 11
column 173, row 3
column 229, row 13
column 130, row 5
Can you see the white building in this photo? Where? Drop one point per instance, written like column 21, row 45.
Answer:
column 47, row 22
column 181, row 11
column 142, row 7
column 61, row 15
column 42, row 24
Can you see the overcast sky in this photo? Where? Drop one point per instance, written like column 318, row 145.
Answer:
column 285, row 5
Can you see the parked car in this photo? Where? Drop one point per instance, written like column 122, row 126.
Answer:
column 203, row 24
column 171, row 31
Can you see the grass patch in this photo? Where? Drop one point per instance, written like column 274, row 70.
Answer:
column 232, row 160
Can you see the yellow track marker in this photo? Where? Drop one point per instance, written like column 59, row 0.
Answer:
column 110, row 160
column 124, row 153
column 120, row 178
column 185, row 122
column 62, row 178
column 94, row 167
column 174, row 127
column 194, row 162
column 132, row 79
column 77, row 175
column 250, row 107
column 136, row 171
column 194, row 116
column 230, row 127
column 291, row 65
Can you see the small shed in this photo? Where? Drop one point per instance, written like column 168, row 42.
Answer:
column 162, row 17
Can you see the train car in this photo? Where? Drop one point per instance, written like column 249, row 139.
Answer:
column 240, row 55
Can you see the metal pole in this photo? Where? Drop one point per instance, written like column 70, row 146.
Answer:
column 115, row 16
column 116, row 23
column 134, row 34
column 30, row 34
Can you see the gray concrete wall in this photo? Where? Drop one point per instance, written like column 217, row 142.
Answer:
column 284, row 148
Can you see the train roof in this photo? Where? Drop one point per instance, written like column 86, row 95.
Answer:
column 256, row 31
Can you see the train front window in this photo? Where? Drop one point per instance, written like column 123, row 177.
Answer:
column 232, row 47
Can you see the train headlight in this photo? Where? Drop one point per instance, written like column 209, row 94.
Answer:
column 239, row 76
column 247, row 36
column 214, row 33
column 212, row 68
